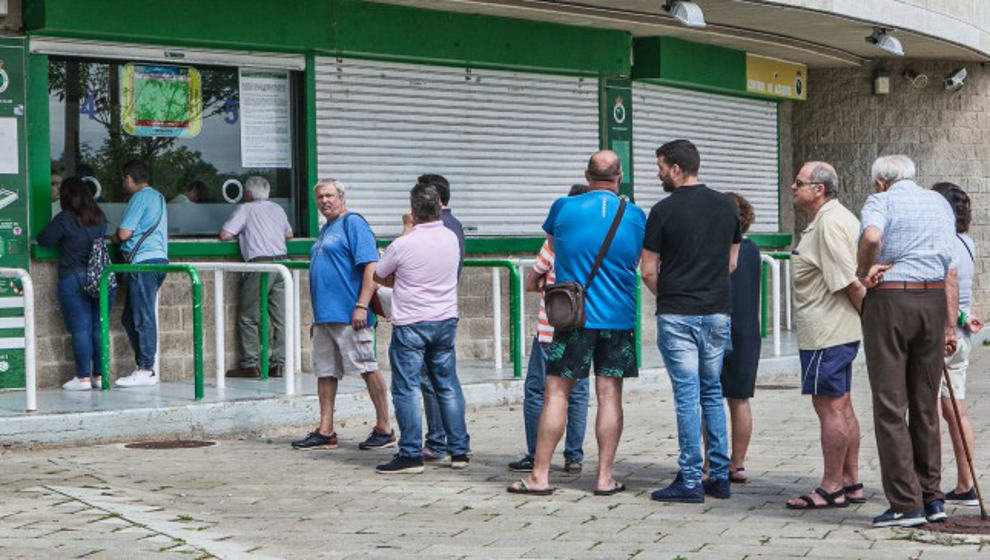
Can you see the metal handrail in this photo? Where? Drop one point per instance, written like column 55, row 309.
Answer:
column 515, row 307
column 515, row 295
column 197, row 305
column 264, row 268
column 30, row 371
column 775, row 275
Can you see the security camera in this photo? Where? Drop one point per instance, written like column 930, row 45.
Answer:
column 955, row 81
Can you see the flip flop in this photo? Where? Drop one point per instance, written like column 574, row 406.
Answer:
column 829, row 500
column 519, row 487
column 732, row 476
column 853, row 488
column 618, row 487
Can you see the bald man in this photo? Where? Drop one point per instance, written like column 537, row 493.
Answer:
column 576, row 228
column 827, row 300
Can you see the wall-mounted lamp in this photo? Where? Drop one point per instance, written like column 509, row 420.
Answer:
column 885, row 41
column 688, row 13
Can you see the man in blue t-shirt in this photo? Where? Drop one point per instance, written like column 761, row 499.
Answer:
column 341, row 285
column 143, row 233
column 576, row 228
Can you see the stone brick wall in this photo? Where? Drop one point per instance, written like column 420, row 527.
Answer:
column 947, row 134
column 474, row 341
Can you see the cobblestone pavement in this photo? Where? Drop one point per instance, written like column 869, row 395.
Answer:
column 257, row 498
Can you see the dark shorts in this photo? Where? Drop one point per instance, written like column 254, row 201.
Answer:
column 572, row 352
column 741, row 363
column 828, row 372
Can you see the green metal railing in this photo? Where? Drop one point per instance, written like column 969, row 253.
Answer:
column 515, row 297
column 515, row 306
column 197, row 308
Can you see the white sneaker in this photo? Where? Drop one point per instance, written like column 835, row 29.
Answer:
column 76, row 384
column 138, row 378
column 96, row 381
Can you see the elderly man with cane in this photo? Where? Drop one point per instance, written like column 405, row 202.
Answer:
column 906, row 261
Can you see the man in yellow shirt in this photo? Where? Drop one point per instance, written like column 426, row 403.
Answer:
column 827, row 299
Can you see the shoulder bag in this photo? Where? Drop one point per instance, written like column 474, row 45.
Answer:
column 129, row 257
column 565, row 300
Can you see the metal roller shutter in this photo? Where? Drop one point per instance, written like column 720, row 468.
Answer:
column 737, row 138
column 510, row 143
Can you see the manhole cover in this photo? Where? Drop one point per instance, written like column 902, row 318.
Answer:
column 170, row 444
column 962, row 525
column 772, row 387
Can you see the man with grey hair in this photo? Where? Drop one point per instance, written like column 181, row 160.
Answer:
column 906, row 260
column 421, row 268
column 261, row 228
column 827, row 300
column 342, row 265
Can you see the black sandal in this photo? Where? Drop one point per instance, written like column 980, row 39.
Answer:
column 853, row 488
column 830, row 502
column 520, row 487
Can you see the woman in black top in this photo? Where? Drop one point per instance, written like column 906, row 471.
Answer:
column 73, row 231
column 743, row 359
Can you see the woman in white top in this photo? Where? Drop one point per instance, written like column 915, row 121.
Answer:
column 965, row 256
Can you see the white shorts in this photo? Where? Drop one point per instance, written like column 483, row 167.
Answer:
column 957, row 364
column 338, row 350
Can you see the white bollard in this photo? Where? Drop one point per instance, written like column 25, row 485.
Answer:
column 218, row 327
column 497, row 317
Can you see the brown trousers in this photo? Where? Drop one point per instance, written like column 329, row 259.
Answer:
column 904, row 334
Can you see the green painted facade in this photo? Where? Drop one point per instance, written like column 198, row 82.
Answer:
column 675, row 61
column 358, row 29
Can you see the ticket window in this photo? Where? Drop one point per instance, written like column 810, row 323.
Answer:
column 202, row 130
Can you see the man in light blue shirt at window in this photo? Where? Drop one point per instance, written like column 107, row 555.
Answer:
column 143, row 234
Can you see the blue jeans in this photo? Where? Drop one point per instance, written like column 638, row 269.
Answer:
column 436, row 437
column 82, row 320
column 692, row 347
column 428, row 344
column 139, row 313
column 577, row 405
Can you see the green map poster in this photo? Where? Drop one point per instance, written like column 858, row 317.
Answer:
column 14, row 240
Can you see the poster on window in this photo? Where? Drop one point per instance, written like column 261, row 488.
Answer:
column 161, row 100
column 266, row 138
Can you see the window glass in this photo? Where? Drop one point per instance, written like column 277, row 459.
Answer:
column 185, row 122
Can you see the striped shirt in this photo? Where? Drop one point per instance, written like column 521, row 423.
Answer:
column 919, row 231
column 544, row 266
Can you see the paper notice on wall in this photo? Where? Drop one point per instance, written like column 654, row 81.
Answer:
column 266, row 135
column 9, row 151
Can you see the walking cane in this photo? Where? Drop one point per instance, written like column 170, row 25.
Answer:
column 969, row 457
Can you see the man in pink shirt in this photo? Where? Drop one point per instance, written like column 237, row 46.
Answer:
column 421, row 268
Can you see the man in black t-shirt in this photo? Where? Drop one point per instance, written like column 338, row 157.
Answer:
column 691, row 246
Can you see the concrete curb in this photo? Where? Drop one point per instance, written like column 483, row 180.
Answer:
column 209, row 420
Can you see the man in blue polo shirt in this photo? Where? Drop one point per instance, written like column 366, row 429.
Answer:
column 576, row 228
column 341, row 284
column 143, row 234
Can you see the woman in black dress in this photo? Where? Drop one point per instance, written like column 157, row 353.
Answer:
column 743, row 358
